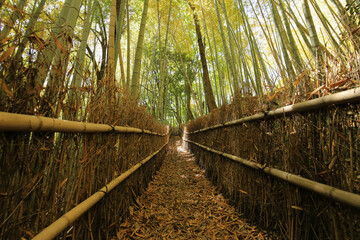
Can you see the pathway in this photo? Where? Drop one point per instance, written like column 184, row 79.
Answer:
column 181, row 203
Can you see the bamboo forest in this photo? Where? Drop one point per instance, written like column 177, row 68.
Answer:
column 180, row 119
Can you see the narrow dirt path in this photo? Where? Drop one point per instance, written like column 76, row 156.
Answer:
column 181, row 203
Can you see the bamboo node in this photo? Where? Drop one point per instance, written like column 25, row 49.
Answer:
column 105, row 192
column 112, row 128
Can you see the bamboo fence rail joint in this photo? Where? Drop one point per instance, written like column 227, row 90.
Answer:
column 348, row 198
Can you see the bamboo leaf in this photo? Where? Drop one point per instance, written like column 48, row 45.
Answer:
column 6, row 89
column 58, row 44
column 338, row 83
column 4, row 40
column 7, row 53
column 45, row 149
column 62, row 183
column 30, row 233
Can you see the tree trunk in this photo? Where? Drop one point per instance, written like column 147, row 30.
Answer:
column 209, row 95
column 189, row 115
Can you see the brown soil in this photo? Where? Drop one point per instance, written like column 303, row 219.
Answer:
column 181, row 203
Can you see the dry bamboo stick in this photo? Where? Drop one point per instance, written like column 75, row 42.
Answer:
column 348, row 198
column 336, row 98
column 22, row 122
column 68, row 218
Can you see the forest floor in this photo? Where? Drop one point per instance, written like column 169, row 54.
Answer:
column 181, row 203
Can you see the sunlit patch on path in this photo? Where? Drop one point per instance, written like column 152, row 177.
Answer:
column 181, row 203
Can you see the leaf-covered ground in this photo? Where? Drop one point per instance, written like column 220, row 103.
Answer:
column 181, row 203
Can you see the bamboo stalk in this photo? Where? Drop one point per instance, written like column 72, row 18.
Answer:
column 22, row 122
column 348, row 198
column 68, row 218
column 348, row 96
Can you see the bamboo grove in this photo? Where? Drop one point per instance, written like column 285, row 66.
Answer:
column 181, row 59
column 133, row 62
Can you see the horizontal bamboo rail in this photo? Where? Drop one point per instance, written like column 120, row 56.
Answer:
column 68, row 218
column 348, row 198
column 22, row 122
column 336, row 98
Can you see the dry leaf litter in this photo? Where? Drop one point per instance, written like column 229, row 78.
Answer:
column 181, row 203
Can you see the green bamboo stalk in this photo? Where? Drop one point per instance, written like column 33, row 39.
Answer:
column 60, row 61
column 228, row 58
column 328, row 28
column 111, row 52
column 219, row 71
column 231, row 44
column 163, row 69
column 284, row 42
column 80, row 57
column 119, row 27
column 46, row 56
column 255, row 52
column 29, row 30
column 303, row 31
column 293, row 48
column 267, row 34
column 138, row 54
column 314, row 40
column 128, row 52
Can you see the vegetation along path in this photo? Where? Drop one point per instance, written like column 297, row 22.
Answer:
column 181, row 203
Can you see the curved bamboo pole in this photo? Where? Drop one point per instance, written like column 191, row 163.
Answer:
column 336, row 98
column 348, row 198
column 21, row 122
column 71, row 216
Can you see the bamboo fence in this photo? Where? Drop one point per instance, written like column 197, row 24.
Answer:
column 308, row 150
column 348, row 198
column 67, row 219
column 48, row 166
column 348, row 96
